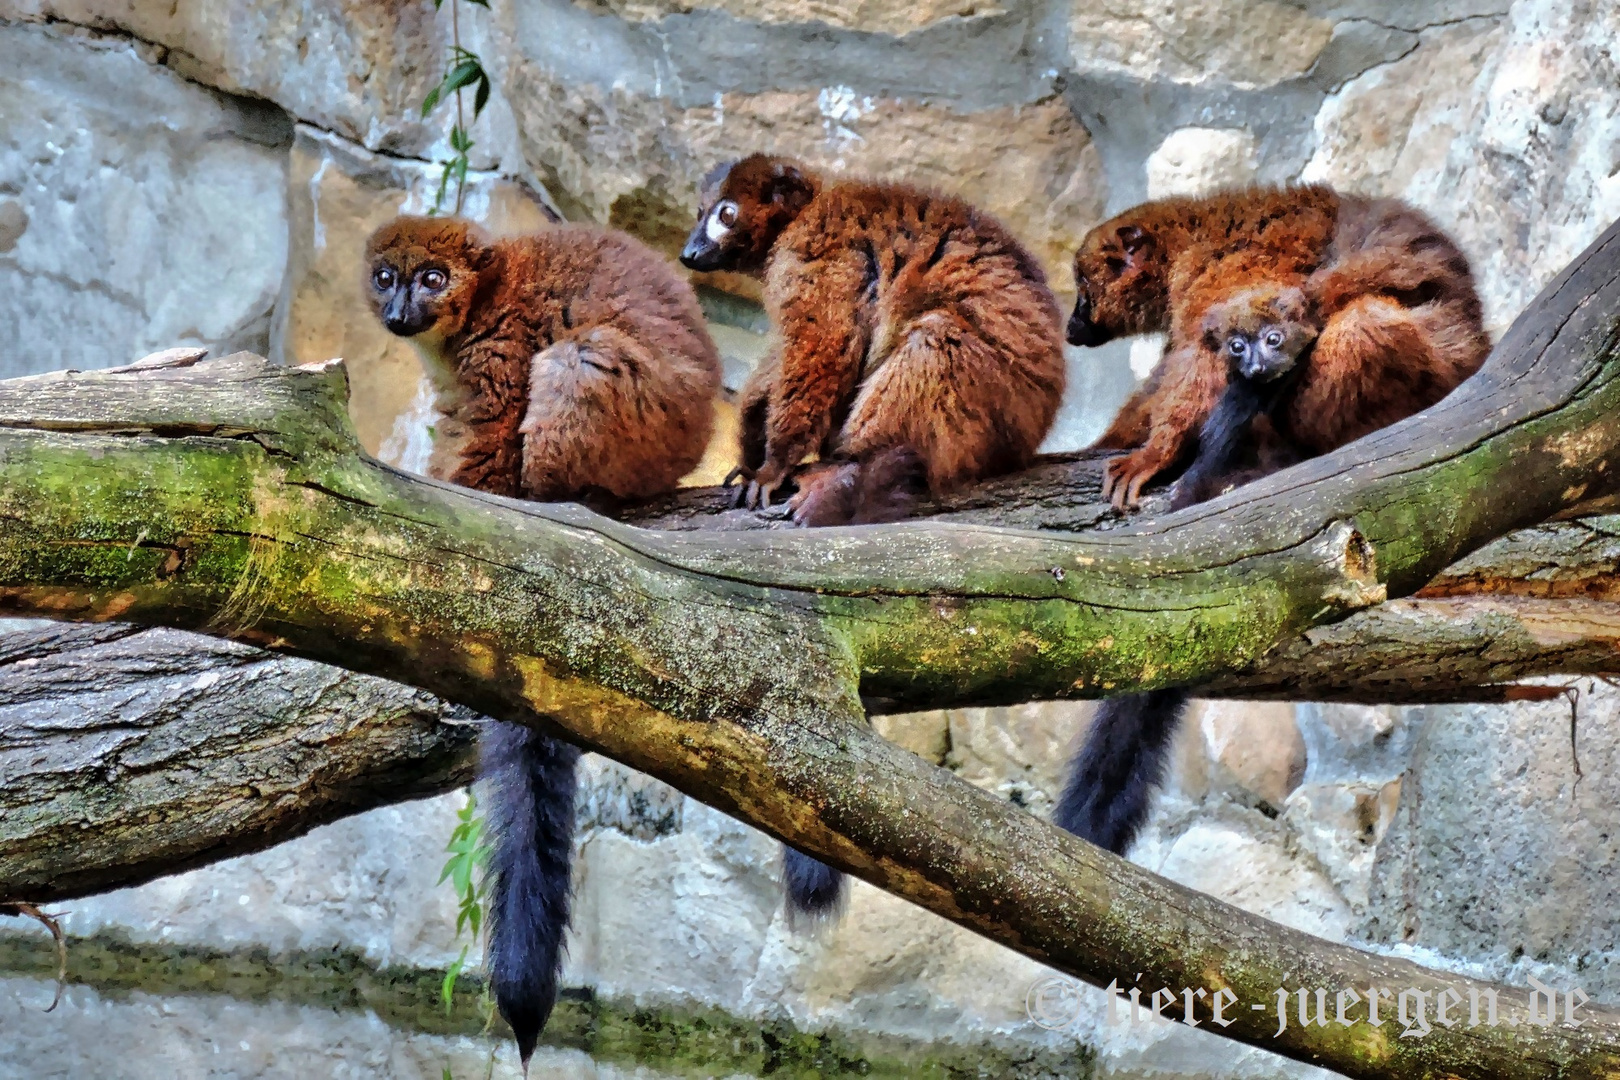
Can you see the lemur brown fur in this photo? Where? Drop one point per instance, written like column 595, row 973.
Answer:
column 1402, row 322
column 915, row 335
column 568, row 361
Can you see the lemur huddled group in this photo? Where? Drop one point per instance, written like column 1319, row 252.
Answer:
column 917, row 348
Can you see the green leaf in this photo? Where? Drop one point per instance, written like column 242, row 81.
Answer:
column 447, row 988
column 431, row 102
column 444, row 185
column 463, row 74
column 481, row 98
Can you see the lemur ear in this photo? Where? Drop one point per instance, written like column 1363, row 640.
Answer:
column 478, row 248
column 790, row 187
column 1134, row 240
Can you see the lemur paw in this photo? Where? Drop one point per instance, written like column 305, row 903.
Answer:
column 763, row 484
column 741, row 472
column 826, row 494
column 1125, row 476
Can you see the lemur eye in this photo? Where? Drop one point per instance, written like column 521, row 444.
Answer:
column 1274, row 339
column 1237, row 346
column 727, row 214
column 435, row 279
column 383, row 278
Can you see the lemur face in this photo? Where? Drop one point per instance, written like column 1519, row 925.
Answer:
column 1261, row 356
column 1118, row 272
column 743, row 208
column 421, row 274
column 1263, row 331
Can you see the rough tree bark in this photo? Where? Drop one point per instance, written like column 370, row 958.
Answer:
column 129, row 754
column 231, row 498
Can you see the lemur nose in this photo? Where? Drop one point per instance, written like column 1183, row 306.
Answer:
column 1080, row 330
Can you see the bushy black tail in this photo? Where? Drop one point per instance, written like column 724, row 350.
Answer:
column 813, row 888
column 1112, row 778
column 531, row 814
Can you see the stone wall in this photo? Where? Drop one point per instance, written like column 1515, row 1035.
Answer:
column 189, row 172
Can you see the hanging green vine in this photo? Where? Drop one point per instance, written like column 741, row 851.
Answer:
column 467, row 871
column 463, row 69
column 466, row 868
column 468, row 848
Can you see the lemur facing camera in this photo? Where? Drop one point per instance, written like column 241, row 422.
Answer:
column 1367, row 308
column 1264, row 335
column 919, row 348
column 1402, row 324
column 1264, row 332
column 571, row 362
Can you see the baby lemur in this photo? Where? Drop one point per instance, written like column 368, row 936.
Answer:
column 1263, row 332
column 919, row 346
column 1264, row 336
column 919, row 342
column 571, row 361
column 1401, row 320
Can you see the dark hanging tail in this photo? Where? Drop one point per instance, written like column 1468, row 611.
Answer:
column 531, row 813
column 1112, row 778
column 813, row 888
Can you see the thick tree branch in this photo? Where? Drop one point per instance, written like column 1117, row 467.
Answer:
column 231, row 499
column 130, row 753
column 226, row 714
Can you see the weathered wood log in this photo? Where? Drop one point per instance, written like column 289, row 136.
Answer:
column 232, row 499
column 128, row 754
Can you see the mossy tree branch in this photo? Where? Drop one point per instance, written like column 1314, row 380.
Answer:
column 231, row 498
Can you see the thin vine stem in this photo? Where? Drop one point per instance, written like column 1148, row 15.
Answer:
column 464, row 69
